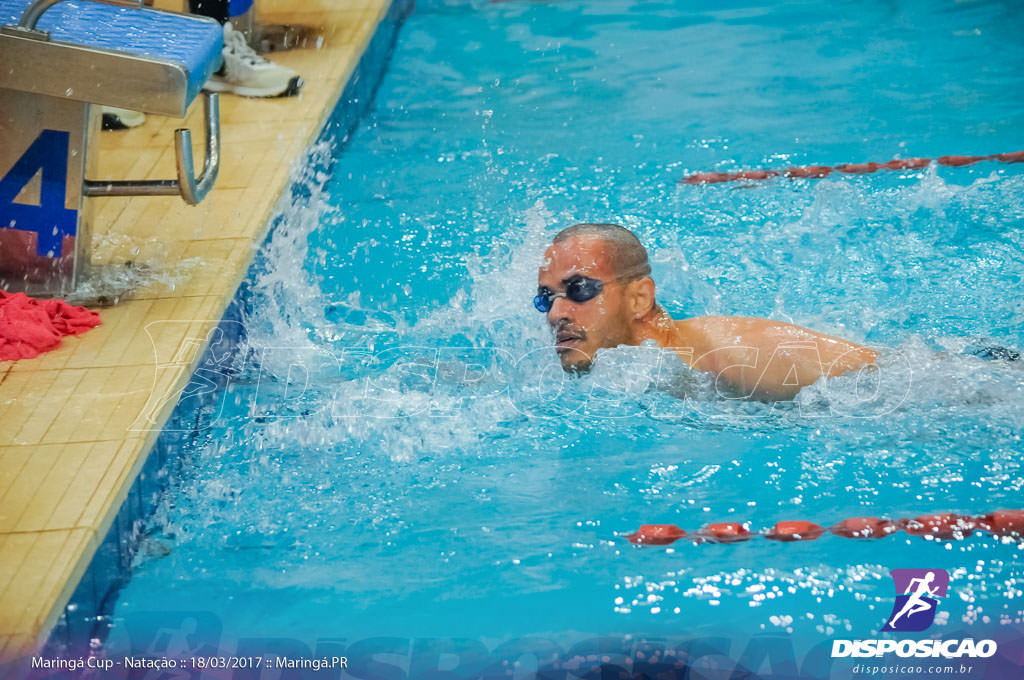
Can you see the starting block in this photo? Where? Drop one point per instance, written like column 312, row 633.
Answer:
column 60, row 59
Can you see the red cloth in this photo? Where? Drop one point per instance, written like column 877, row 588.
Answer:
column 29, row 327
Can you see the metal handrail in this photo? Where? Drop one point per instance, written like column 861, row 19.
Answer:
column 191, row 188
column 30, row 17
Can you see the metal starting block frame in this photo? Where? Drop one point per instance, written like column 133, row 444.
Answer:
column 55, row 66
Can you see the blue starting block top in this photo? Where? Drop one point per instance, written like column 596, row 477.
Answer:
column 193, row 42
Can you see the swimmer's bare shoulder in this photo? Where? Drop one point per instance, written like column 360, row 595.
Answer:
column 764, row 358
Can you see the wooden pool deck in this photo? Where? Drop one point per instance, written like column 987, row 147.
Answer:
column 77, row 423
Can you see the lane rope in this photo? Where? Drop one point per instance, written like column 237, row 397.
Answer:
column 940, row 526
column 819, row 171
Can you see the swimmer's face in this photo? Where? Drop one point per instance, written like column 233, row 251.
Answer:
column 581, row 328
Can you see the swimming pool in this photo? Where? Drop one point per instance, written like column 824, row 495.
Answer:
column 398, row 455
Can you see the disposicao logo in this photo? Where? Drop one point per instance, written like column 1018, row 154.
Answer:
column 915, row 608
column 917, row 591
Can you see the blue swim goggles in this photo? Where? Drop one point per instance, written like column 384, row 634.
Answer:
column 577, row 289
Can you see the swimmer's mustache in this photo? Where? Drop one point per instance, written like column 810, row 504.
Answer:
column 564, row 331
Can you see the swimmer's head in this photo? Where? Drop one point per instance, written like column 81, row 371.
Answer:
column 595, row 287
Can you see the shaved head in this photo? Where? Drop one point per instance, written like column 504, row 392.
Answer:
column 627, row 255
column 596, row 281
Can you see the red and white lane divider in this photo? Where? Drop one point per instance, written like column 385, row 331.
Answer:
column 944, row 526
column 817, row 171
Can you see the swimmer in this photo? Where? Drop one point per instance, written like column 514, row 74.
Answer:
column 596, row 288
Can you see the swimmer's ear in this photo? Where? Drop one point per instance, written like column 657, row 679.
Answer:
column 640, row 297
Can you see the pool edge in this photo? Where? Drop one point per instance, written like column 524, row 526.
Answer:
column 74, row 577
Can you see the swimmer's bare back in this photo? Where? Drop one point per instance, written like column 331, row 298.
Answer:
column 764, row 359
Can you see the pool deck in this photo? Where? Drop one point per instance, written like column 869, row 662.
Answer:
column 78, row 422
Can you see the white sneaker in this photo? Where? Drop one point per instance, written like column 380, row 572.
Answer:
column 119, row 119
column 248, row 74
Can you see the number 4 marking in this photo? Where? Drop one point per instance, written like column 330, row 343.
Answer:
column 50, row 220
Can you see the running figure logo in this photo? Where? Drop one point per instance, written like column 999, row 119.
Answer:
column 915, row 608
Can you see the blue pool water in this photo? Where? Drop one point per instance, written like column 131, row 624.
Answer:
column 399, row 453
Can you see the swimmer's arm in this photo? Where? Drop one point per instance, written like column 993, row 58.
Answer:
column 772, row 360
